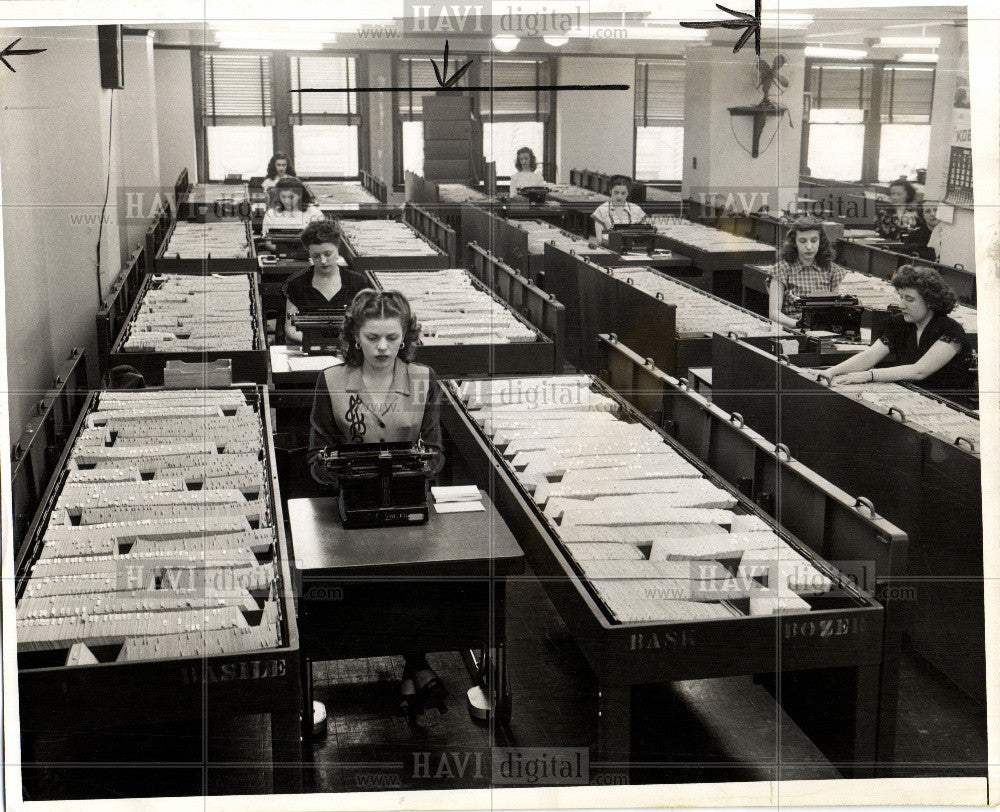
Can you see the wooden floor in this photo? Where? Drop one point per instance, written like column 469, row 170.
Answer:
column 698, row 731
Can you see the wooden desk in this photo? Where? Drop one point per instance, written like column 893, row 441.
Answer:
column 439, row 586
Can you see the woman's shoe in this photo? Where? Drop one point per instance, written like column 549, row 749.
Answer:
column 431, row 692
column 408, row 701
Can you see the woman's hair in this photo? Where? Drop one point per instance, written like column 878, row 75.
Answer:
column 371, row 304
column 620, row 180
column 306, row 198
column 533, row 163
column 911, row 192
column 790, row 251
column 272, row 173
column 319, row 231
column 928, row 283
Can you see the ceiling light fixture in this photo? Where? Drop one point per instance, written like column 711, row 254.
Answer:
column 505, row 42
column 909, row 42
column 555, row 42
column 919, row 58
column 835, row 53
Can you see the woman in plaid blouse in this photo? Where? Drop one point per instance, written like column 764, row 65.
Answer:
column 805, row 268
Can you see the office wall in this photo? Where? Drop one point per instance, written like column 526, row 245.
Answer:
column 138, row 134
column 174, row 115
column 54, row 136
column 716, row 80
column 595, row 129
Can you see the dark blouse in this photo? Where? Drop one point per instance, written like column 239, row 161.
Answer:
column 300, row 292
column 914, row 239
column 901, row 338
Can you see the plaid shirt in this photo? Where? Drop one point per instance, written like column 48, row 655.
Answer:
column 806, row 280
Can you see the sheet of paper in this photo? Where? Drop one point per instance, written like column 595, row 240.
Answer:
column 459, row 507
column 455, row 493
column 314, row 363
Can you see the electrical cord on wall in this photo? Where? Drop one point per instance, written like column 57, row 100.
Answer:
column 107, row 192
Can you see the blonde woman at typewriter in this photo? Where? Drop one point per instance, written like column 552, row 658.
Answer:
column 326, row 283
column 805, row 267
column 291, row 206
column 378, row 395
column 617, row 211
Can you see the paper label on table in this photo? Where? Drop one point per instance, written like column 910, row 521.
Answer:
column 455, row 493
column 459, row 507
column 315, row 363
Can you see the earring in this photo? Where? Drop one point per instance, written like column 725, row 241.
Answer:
column 357, row 345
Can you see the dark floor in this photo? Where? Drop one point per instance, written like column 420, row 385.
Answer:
column 698, row 731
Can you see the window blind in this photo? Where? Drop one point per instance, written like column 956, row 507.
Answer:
column 907, row 94
column 323, row 71
column 840, row 87
column 659, row 92
column 530, row 105
column 238, row 89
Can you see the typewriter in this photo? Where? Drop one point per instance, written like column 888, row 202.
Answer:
column 834, row 313
column 286, row 243
column 381, row 484
column 535, row 194
column 320, row 328
column 632, row 238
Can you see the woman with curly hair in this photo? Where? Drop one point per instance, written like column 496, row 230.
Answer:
column 805, row 267
column 929, row 348
column 292, row 206
column 378, row 394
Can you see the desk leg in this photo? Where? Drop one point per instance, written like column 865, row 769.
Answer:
column 305, row 675
column 613, row 725
column 865, row 722
column 286, row 752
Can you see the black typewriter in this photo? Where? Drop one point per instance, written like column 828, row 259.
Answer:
column 629, row 238
column 381, row 484
column 320, row 328
column 535, row 194
column 832, row 312
column 286, row 243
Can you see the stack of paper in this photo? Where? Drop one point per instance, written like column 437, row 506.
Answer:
column 457, row 499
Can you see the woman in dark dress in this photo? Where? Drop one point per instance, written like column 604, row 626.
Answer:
column 326, row 283
column 904, row 221
column 929, row 349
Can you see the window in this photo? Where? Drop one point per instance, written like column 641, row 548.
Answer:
column 907, row 96
column 842, row 132
column 324, row 125
column 659, row 119
column 513, row 119
column 841, row 95
column 238, row 113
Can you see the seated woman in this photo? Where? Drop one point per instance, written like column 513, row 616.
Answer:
column 280, row 166
column 617, row 211
column 292, row 208
column 376, row 395
column 326, row 283
column 929, row 348
column 903, row 221
column 526, row 172
column 805, row 267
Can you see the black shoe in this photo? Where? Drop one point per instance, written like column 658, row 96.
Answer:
column 431, row 692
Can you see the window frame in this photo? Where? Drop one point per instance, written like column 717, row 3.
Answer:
column 646, row 60
column 872, row 110
column 283, row 119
